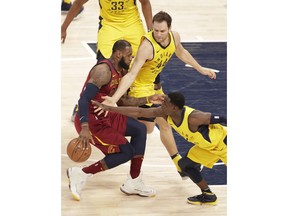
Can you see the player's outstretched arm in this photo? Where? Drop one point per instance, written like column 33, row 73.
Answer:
column 197, row 118
column 187, row 58
column 127, row 100
column 144, row 52
column 130, row 111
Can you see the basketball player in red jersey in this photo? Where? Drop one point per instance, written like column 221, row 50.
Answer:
column 108, row 133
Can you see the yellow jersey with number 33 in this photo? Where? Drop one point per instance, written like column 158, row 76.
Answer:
column 143, row 85
column 124, row 12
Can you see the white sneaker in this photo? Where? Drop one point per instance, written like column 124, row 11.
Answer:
column 136, row 186
column 77, row 179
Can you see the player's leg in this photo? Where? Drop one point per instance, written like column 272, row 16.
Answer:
column 167, row 138
column 107, row 36
column 113, row 144
column 149, row 126
column 133, row 34
column 192, row 169
column 134, row 183
column 66, row 5
column 190, row 164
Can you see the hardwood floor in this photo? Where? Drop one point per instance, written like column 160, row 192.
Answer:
column 195, row 21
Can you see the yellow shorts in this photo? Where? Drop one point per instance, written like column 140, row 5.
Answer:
column 208, row 157
column 109, row 34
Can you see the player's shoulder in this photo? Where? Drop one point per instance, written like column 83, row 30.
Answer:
column 176, row 35
column 100, row 69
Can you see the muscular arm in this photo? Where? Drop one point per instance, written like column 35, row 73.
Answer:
column 144, row 53
column 74, row 10
column 133, row 111
column 100, row 75
column 147, row 12
column 127, row 100
column 187, row 58
column 197, row 118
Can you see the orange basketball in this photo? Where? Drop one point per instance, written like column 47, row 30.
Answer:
column 76, row 153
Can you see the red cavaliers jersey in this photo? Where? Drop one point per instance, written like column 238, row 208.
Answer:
column 108, row 89
column 108, row 132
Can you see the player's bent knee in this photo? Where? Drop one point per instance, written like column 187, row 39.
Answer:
column 191, row 168
column 127, row 150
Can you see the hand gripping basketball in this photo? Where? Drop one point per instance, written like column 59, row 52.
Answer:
column 76, row 151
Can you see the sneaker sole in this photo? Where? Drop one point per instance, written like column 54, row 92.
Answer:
column 201, row 203
column 122, row 190
column 74, row 196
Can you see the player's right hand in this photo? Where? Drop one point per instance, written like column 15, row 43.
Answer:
column 107, row 101
column 84, row 136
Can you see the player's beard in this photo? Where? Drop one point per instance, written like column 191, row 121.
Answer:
column 123, row 64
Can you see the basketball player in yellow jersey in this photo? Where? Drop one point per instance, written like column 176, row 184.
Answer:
column 203, row 129
column 155, row 50
column 118, row 19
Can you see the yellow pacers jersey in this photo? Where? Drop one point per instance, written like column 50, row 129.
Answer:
column 124, row 12
column 119, row 20
column 143, row 85
column 209, row 146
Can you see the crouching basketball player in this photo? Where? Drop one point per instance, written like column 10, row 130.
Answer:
column 107, row 133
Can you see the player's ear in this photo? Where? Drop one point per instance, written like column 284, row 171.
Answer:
column 119, row 54
column 175, row 107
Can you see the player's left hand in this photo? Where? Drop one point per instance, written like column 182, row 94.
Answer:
column 99, row 109
column 211, row 74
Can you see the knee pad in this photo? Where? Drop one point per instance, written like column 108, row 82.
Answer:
column 191, row 168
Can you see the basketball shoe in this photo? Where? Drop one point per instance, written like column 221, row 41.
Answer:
column 65, row 7
column 204, row 198
column 136, row 187
column 77, row 179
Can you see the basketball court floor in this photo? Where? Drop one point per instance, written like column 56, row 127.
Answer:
column 202, row 26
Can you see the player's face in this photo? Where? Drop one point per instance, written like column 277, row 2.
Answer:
column 160, row 31
column 126, row 58
column 167, row 106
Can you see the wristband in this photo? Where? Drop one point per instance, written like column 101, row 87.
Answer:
column 217, row 119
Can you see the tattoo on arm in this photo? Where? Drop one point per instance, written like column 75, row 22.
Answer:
column 126, row 100
column 101, row 75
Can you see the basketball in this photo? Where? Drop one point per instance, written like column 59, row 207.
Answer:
column 76, row 153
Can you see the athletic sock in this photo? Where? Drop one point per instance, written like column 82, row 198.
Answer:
column 135, row 166
column 94, row 168
column 207, row 190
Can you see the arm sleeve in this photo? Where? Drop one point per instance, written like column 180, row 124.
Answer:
column 87, row 95
column 218, row 119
